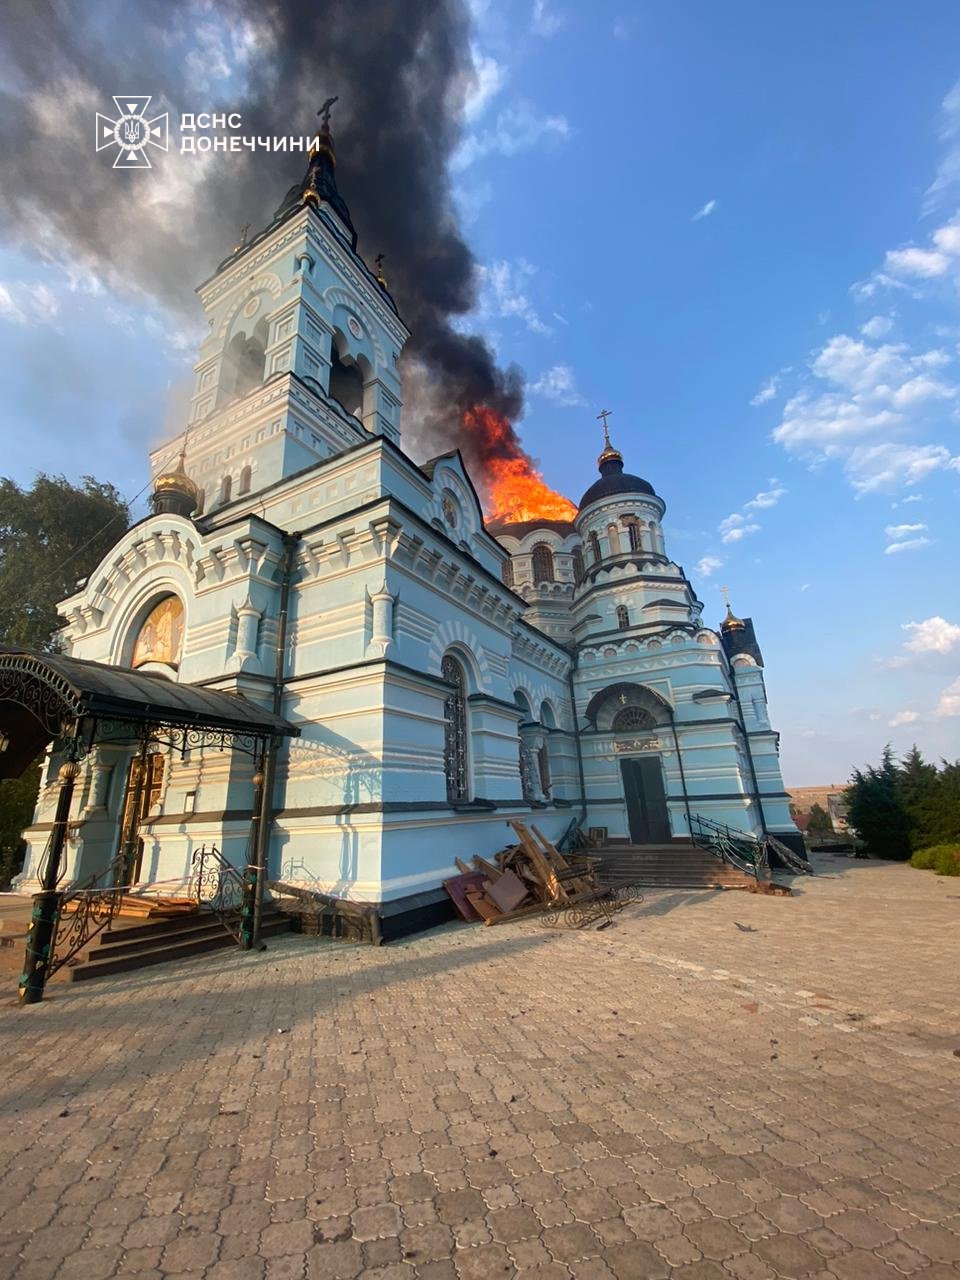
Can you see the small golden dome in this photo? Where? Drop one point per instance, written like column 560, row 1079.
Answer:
column 731, row 622
column 175, row 491
column 176, row 481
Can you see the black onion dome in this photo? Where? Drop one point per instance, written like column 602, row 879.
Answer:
column 613, row 480
column 319, row 185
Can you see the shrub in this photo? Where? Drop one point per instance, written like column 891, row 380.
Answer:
column 924, row 859
column 944, row 859
column 947, row 861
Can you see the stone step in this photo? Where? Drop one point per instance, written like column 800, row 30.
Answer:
column 669, row 867
column 121, row 955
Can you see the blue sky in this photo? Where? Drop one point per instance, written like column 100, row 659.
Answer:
column 735, row 226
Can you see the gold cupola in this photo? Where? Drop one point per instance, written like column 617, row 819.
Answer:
column 731, row 622
column 174, row 493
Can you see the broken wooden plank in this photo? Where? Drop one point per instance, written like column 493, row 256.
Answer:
column 457, row 888
column 484, row 907
column 507, row 893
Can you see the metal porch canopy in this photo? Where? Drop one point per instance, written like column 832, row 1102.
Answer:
column 44, row 695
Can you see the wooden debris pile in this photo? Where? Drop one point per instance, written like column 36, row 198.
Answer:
column 524, row 879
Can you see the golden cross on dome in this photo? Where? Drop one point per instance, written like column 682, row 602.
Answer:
column 725, row 591
column 605, row 414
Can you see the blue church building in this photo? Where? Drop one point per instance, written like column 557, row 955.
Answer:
column 445, row 675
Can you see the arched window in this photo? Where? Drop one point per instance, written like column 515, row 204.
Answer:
column 633, row 533
column 623, row 617
column 507, row 573
column 542, row 563
column 244, row 361
column 578, row 567
column 245, row 476
column 595, row 548
column 525, row 761
column 633, row 718
column 226, row 486
column 346, row 383
column 455, row 729
column 613, row 539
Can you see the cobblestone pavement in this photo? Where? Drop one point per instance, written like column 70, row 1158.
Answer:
column 720, row 1086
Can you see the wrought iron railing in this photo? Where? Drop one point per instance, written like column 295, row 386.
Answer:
column 86, row 911
column 219, row 886
column 739, row 848
column 787, row 855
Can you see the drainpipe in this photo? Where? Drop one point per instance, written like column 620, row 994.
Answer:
column 576, row 735
column 267, row 807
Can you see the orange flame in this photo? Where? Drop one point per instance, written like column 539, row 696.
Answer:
column 515, row 489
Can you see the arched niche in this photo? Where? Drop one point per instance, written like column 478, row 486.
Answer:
column 156, row 642
column 605, row 709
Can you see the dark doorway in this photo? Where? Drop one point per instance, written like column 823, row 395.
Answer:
column 646, row 801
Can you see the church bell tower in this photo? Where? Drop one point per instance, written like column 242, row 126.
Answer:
column 301, row 358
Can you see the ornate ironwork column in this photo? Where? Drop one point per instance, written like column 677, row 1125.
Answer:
column 46, row 904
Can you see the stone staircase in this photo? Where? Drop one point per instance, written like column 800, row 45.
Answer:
column 678, row 865
column 136, row 946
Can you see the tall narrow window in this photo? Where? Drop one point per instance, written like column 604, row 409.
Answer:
column 542, row 563
column 578, row 569
column 595, row 548
column 455, row 729
column 507, row 573
column 245, row 476
column 633, row 532
column 623, row 617
column 226, row 486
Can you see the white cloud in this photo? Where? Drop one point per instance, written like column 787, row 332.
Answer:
column 705, row 212
column 503, row 293
column 901, row 530
column 949, row 701
column 486, row 81
column 767, row 391
column 875, row 395
column 903, row 717
column 545, row 21
column 948, row 171
column 932, row 635
column 559, row 386
column 926, row 264
column 872, row 468
column 763, row 500
column 876, row 327
column 708, row 565
column 909, row 544
column 736, row 527
column 517, row 128
column 28, row 305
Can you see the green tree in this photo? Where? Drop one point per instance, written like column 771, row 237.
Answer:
column 820, row 819
column 918, row 789
column 18, row 797
column 50, row 536
column 876, row 810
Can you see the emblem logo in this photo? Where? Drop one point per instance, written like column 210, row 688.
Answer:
column 132, row 132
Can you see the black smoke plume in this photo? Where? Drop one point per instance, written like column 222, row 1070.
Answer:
column 401, row 69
